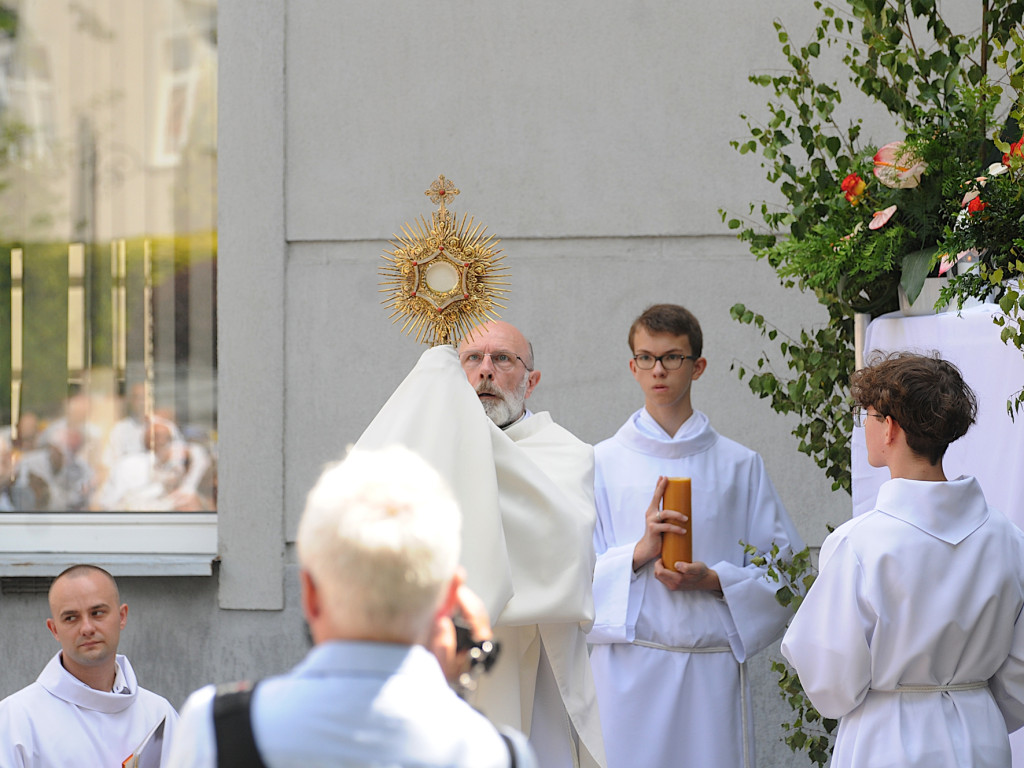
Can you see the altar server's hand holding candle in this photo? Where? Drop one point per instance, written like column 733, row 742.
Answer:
column 658, row 521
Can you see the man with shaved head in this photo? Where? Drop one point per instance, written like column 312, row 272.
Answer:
column 526, row 487
column 86, row 708
column 498, row 361
column 544, row 625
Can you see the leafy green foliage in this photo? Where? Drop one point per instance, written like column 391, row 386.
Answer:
column 937, row 84
column 819, row 365
column 794, row 575
column 808, row 732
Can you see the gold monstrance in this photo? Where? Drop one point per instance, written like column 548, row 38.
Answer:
column 443, row 279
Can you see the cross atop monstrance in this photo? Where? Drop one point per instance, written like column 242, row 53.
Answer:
column 443, row 279
column 441, row 190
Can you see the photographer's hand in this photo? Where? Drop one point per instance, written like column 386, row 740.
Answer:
column 473, row 614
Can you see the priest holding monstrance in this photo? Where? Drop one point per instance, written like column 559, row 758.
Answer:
column 524, row 483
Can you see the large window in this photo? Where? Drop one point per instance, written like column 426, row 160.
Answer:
column 108, row 246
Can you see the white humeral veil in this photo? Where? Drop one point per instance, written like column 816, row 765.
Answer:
column 528, row 517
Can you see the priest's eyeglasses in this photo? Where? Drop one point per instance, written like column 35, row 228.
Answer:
column 670, row 362
column 859, row 412
column 503, row 361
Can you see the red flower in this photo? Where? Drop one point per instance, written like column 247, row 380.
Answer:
column 976, row 205
column 854, row 186
column 1016, row 150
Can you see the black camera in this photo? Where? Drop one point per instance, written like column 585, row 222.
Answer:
column 481, row 652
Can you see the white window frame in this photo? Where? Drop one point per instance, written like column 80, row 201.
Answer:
column 125, row 543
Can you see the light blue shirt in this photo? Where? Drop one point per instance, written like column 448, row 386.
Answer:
column 352, row 704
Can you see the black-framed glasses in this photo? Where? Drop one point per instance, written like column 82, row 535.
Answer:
column 859, row 412
column 670, row 362
column 503, row 361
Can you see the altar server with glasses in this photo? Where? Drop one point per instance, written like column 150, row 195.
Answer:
column 670, row 643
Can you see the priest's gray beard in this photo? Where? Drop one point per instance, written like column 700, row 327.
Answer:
column 508, row 405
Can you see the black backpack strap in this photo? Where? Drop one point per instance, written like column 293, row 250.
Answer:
column 511, row 750
column 232, row 724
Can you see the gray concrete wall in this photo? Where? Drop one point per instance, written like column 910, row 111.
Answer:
column 590, row 136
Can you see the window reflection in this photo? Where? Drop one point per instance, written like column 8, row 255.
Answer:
column 108, row 230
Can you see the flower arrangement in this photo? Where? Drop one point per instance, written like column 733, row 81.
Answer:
column 985, row 226
column 856, row 219
column 883, row 224
column 904, row 198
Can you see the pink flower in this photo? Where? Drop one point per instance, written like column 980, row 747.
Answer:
column 897, row 167
column 881, row 218
column 947, row 263
column 854, row 186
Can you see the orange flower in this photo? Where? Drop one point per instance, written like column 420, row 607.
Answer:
column 854, row 186
column 976, row 205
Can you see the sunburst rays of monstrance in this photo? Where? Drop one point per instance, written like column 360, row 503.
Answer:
column 443, row 278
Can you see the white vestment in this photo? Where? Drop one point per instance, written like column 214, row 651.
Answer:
column 60, row 721
column 669, row 666
column 924, row 592
column 527, row 499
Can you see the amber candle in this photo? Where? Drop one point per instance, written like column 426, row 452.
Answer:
column 677, row 547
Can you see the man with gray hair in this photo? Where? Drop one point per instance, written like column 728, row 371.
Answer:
column 378, row 547
column 548, row 530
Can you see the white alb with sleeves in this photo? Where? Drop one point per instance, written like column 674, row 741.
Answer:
column 912, row 632
column 668, row 666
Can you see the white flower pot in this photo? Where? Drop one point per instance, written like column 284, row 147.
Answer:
column 924, row 304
